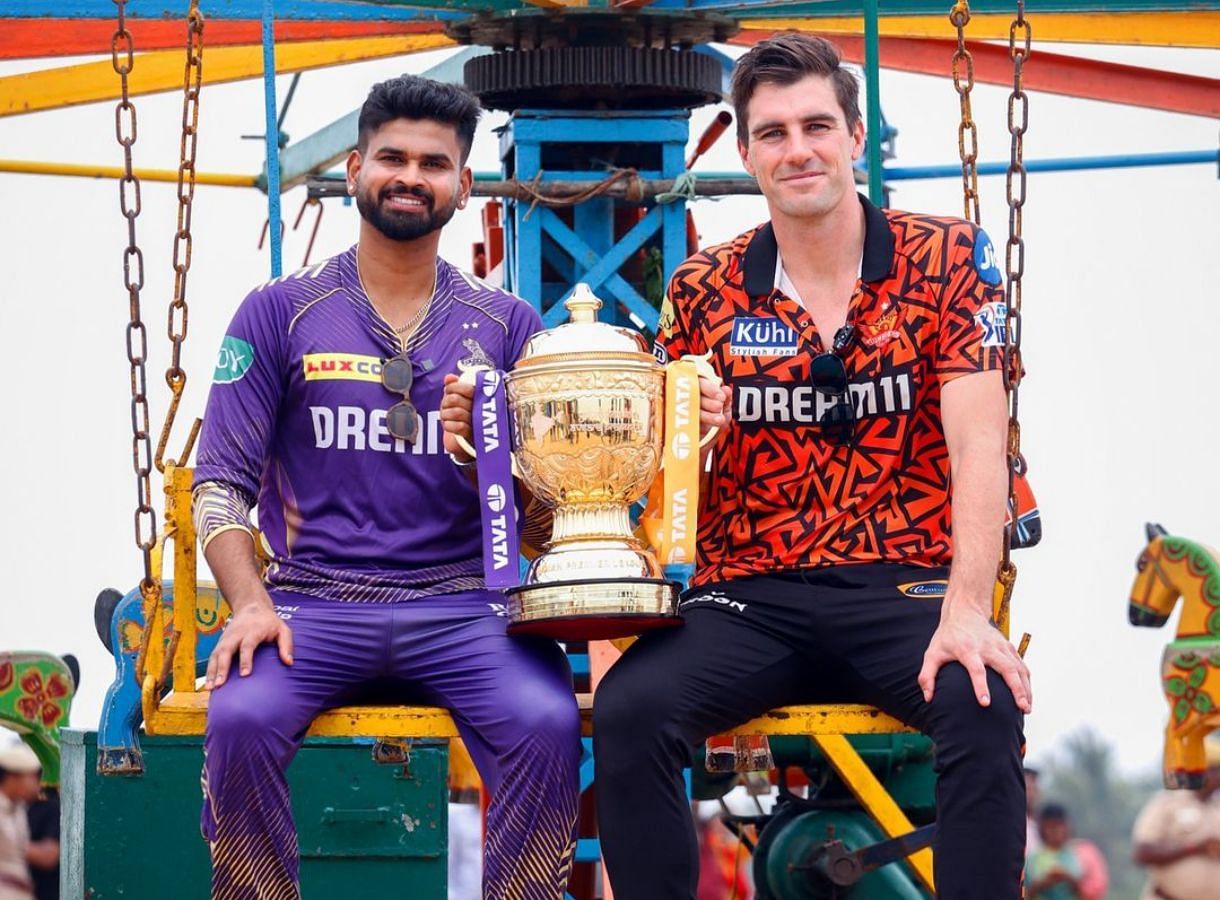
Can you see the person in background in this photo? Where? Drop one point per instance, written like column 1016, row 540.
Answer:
column 1063, row 867
column 1177, row 838
column 19, row 785
column 43, row 853
column 1033, row 796
column 724, row 861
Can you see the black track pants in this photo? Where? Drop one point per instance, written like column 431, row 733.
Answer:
column 853, row 634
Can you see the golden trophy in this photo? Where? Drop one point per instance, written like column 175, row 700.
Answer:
column 586, row 413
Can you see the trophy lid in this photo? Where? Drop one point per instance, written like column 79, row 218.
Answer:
column 584, row 335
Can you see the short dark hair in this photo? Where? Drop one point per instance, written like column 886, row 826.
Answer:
column 786, row 59
column 414, row 97
column 1053, row 812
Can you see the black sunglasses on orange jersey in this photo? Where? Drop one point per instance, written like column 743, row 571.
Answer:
column 828, row 375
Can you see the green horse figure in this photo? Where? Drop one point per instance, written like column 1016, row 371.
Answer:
column 36, row 691
column 1171, row 567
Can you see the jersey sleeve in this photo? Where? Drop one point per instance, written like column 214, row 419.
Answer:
column 973, row 308
column 675, row 337
column 244, row 400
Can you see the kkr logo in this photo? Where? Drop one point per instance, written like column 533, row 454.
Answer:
column 341, row 367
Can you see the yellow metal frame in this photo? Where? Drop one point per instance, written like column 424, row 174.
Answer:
column 1151, row 29
column 37, row 167
column 875, row 798
column 161, row 70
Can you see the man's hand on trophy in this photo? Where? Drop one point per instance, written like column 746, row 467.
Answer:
column 715, row 405
column 457, row 417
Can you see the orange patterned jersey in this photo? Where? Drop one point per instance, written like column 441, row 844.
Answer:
column 929, row 307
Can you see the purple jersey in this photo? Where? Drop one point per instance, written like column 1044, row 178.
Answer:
column 296, row 418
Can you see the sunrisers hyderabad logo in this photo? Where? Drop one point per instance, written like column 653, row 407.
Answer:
column 665, row 322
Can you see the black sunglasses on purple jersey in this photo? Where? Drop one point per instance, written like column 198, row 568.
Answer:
column 401, row 419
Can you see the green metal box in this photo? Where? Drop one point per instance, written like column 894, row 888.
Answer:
column 365, row 829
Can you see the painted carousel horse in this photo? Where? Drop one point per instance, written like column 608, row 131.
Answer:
column 119, row 620
column 36, row 691
column 1171, row 567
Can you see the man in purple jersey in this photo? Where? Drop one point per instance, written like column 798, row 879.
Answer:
column 325, row 413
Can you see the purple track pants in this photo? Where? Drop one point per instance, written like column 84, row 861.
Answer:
column 511, row 698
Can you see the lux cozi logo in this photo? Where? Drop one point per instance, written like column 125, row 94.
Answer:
column 341, row 367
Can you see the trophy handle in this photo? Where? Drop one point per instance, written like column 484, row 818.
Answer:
column 704, row 369
column 468, row 377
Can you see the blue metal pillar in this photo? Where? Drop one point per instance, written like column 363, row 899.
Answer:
column 273, row 137
column 548, row 250
column 872, row 97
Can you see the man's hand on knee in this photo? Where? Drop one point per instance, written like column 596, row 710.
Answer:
column 969, row 637
column 254, row 624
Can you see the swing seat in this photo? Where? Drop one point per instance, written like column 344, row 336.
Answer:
column 186, row 713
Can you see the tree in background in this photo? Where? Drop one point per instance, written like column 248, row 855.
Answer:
column 1102, row 802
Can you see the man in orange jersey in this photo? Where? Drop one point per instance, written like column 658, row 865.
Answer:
column 852, row 521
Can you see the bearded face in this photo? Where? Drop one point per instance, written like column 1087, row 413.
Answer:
column 410, row 178
column 404, row 213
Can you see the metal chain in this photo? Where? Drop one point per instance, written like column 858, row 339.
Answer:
column 122, row 54
column 1019, row 37
column 967, row 132
column 175, row 375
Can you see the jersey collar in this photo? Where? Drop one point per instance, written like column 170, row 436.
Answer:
column 762, row 253
column 442, row 300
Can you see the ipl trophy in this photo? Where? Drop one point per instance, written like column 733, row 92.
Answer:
column 587, row 419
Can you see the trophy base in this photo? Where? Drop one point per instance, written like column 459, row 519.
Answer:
column 593, row 610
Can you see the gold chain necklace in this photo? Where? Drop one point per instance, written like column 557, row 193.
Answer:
column 409, row 328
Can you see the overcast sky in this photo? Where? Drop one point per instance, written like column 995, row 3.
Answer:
column 1119, row 409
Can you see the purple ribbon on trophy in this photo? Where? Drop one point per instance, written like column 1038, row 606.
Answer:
column 494, row 466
